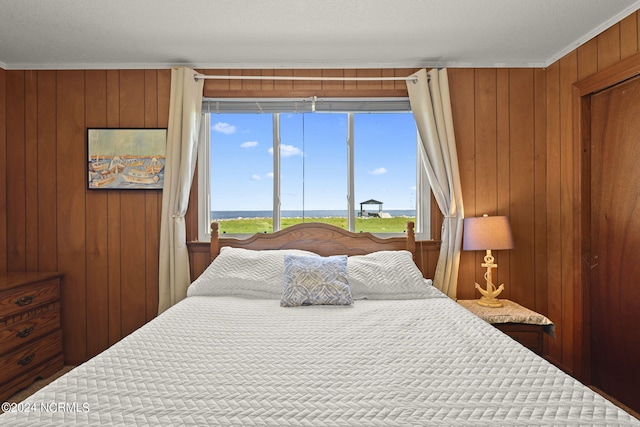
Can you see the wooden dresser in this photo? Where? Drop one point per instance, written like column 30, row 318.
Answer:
column 30, row 333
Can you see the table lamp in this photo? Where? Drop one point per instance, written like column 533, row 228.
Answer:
column 488, row 233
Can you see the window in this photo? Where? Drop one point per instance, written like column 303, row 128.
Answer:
column 274, row 163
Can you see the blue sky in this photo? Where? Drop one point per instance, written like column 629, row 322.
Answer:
column 314, row 151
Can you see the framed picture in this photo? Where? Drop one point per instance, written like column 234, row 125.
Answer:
column 125, row 159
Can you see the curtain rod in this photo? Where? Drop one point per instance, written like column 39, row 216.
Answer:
column 318, row 78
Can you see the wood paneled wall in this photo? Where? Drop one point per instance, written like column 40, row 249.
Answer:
column 105, row 242
column 563, row 181
column 514, row 128
column 499, row 119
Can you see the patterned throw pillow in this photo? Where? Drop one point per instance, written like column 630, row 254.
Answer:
column 310, row 280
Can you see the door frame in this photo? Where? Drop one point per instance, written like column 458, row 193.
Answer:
column 582, row 92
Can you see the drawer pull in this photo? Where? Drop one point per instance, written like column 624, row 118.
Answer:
column 27, row 359
column 24, row 333
column 25, row 300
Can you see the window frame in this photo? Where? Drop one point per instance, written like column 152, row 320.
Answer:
column 423, row 191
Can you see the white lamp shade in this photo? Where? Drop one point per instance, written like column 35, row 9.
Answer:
column 487, row 232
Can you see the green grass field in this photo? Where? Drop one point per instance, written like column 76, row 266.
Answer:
column 265, row 225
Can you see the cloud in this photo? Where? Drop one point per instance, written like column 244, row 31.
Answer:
column 269, row 175
column 256, row 177
column 287, row 151
column 249, row 144
column 225, row 128
column 378, row 171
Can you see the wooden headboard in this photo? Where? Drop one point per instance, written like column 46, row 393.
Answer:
column 323, row 239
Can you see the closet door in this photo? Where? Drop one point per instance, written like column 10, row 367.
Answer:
column 615, row 242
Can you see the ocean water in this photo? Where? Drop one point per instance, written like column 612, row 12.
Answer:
column 215, row 215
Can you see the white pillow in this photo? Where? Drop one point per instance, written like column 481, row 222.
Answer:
column 244, row 272
column 387, row 275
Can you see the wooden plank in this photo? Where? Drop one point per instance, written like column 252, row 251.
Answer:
column 521, row 104
column 31, row 178
column 16, row 172
column 349, row 85
column 71, row 178
column 132, row 240
column 267, row 85
column 132, row 211
column 97, row 227
column 3, row 169
column 503, row 168
column 150, row 98
column 283, row 86
column 153, row 203
column 540, row 192
column 483, row 200
column 332, row 85
column 629, row 36
column 252, row 84
column 132, row 100
column 388, row 84
column 486, row 136
column 113, row 218
column 554, row 248
column 608, row 47
column 47, row 171
column 164, row 93
column 236, row 84
column 310, row 86
column 462, row 88
column 369, row 84
column 588, row 59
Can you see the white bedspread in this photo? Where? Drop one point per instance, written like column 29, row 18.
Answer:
column 232, row 361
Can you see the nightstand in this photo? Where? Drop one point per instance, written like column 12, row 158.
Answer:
column 523, row 325
column 30, row 333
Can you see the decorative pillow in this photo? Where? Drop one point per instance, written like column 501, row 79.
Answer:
column 386, row 275
column 244, row 272
column 318, row 280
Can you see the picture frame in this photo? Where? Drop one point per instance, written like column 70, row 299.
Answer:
column 126, row 159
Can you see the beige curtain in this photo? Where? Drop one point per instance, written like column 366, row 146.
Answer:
column 185, row 107
column 431, row 105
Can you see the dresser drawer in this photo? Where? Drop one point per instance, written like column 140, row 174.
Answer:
column 27, row 357
column 529, row 336
column 21, row 332
column 17, row 300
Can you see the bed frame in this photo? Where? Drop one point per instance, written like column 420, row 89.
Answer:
column 323, row 239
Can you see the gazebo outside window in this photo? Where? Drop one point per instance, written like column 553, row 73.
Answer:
column 364, row 213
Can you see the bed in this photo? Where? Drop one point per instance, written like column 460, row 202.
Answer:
column 234, row 353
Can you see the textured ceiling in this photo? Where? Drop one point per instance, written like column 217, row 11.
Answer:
column 62, row 34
